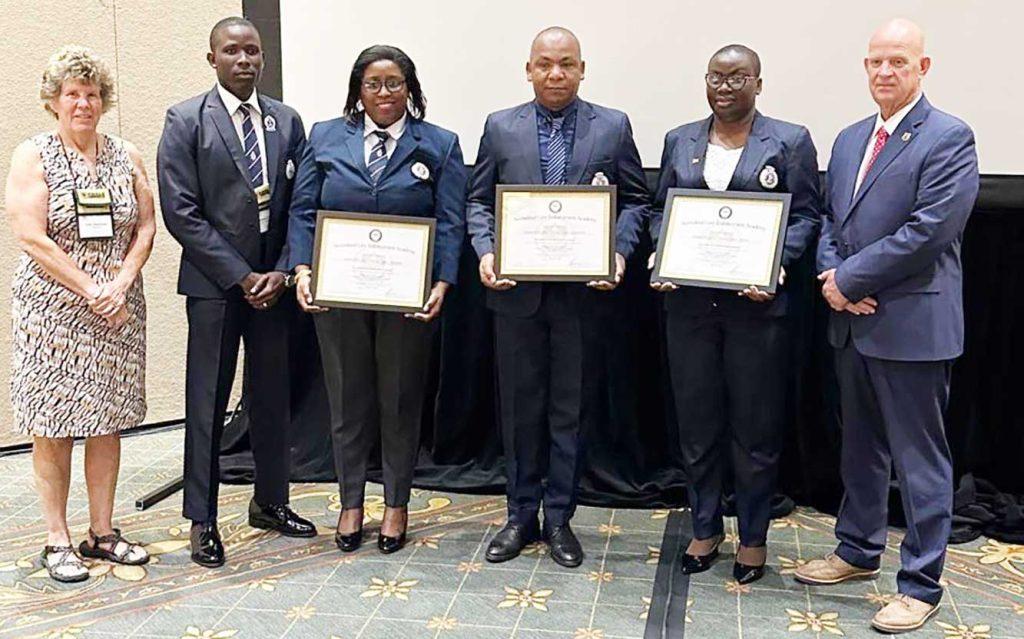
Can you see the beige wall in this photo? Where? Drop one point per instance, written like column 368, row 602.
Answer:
column 156, row 48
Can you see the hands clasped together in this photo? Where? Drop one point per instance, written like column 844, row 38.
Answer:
column 838, row 301
column 108, row 301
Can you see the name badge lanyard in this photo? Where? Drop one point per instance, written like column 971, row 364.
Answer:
column 93, row 213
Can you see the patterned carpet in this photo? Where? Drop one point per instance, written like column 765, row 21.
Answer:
column 439, row 586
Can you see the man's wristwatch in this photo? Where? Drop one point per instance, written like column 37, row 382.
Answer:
column 289, row 280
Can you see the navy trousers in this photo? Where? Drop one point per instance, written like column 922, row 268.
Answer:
column 540, row 373
column 728, row 382
column 892, row 415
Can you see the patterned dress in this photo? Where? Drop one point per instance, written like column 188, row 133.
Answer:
column 73, row 376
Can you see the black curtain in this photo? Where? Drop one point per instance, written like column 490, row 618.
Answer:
column 632, row 447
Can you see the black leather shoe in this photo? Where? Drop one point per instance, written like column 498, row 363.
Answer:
column 349, row 542
column 691, row 564
column 565, row 548
column 511, row 540
column 745, row 574
column 387, row 545
column 281, row 518
column 207, row 549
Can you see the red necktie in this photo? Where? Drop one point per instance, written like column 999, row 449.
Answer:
column 880, row 139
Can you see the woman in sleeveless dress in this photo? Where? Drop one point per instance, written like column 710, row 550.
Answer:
column 81, row 209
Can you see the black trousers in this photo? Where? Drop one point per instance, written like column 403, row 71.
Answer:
column 540, row 372
column 375, row 369
column 215, row 328
column 728, row 382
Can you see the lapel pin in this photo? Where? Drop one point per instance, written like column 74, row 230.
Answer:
column 599, row 179
column 695, row 161
column 289, row 169
column 905, row 136
column 420, row 170
column 269, row 123
column 768, row 178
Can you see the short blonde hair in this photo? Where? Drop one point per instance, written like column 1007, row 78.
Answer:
column 74, row 62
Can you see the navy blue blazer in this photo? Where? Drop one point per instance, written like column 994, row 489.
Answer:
column 207, row 199
column 333, row 176
column 785, row 147
column 510, row 154
column 897, row 238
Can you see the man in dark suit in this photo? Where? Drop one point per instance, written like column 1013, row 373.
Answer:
column 554, row 139
column 901, row 185
column 226, row 164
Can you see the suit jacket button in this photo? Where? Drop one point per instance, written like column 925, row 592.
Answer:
column 714, row 304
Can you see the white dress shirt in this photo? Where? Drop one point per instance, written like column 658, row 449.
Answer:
column 719, row 165
column 890, row 126
column 394, row 131
column 233, row 105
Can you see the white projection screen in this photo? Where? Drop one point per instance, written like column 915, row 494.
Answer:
column 648, row 58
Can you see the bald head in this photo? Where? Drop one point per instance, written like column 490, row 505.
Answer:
column 901, row 31
column 896, row 65
column 555, row 37
column 555, row 68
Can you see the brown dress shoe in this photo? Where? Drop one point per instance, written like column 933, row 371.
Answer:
column 903, row 614
column 830, row 570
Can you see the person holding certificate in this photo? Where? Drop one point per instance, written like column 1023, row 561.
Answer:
column 727, row 350
column 380, row 157
column 556, row 139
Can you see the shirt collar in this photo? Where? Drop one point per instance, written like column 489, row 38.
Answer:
column 395, row 130
column 564, row 113
column 894, row 120
column 231, row 103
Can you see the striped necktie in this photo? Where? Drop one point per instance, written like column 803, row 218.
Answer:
column 555, row 173
column 251, row 145
column 378, row 156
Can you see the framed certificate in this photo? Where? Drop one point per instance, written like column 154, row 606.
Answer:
column 372, row 262
column 554, row 233
column 722, row 239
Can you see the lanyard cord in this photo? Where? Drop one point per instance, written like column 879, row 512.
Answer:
column 71, row 169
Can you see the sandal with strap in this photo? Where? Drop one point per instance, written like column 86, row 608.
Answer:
column 64, row 565
column 132, row 554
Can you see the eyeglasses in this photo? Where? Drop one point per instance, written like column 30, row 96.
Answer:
column 392, row 84
column 735, row 82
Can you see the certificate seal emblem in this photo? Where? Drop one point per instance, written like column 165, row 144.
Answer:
column 421, row 171
column 289, row 169
column 600, row 179
column 768, row 178
column 375, row 235
column 725, row 212
column 269, row 123
column 555, row 206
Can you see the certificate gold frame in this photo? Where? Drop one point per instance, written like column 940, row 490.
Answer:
column 374, row 226
column 732, row 225
column 603, row 254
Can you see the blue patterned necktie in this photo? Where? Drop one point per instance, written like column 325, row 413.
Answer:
column 251, row 145
column 378, row 156
column 555, row 173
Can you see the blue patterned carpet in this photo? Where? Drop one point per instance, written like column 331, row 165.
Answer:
column 439, row 586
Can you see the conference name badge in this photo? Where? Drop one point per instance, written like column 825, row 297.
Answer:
column 289, row 169
column 269, row 123
column 768, row 177
column 93, row 214
column 421, row 171
column 263, row 196
column 599, row 179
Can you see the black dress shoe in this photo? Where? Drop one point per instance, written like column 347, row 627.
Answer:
column 745, row 574
column 387, row 545
column 281, row 518
column 565, row 548
column 511, row 540
column 207, row 549
column 349, row 542
column 691, row 564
